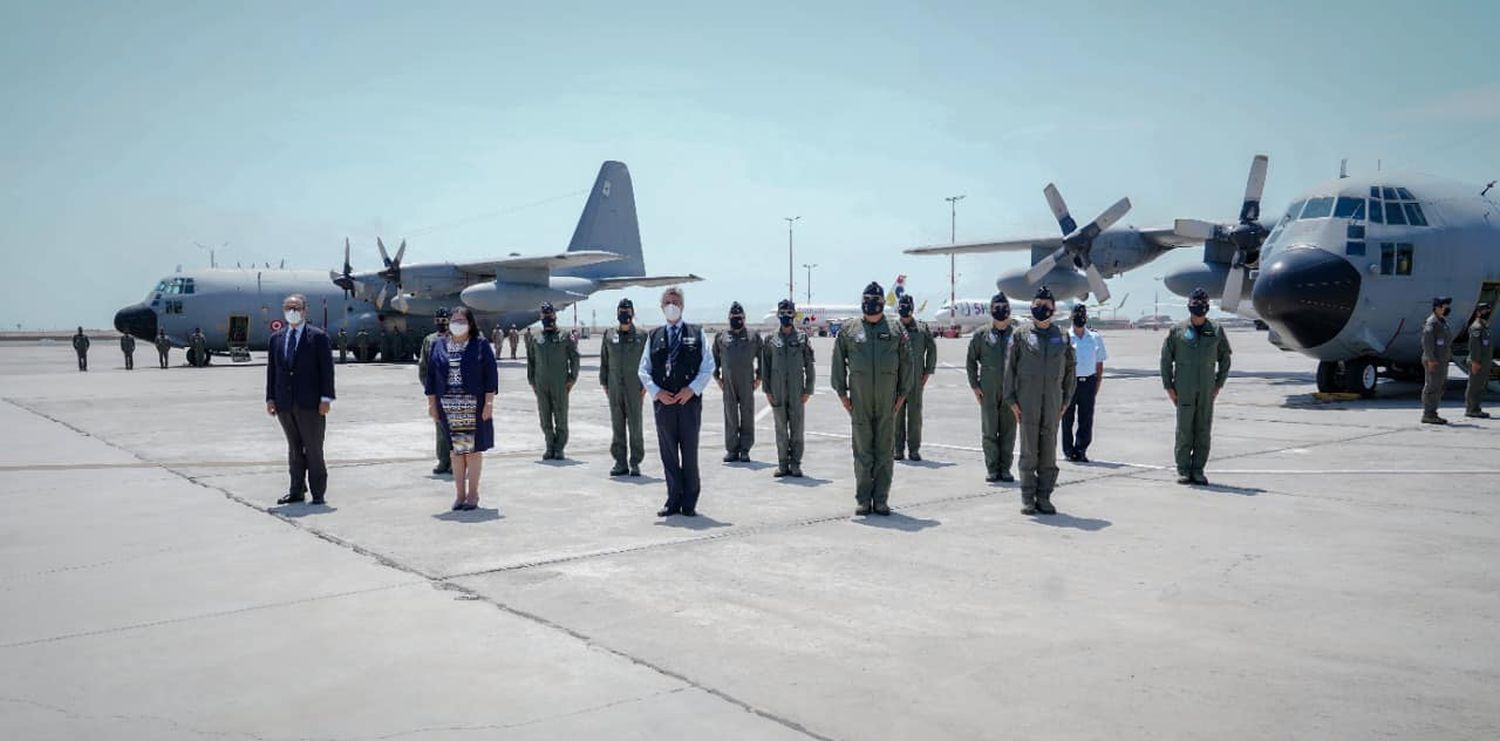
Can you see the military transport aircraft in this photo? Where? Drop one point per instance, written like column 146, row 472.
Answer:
column 239, row 308
column 1348, row 274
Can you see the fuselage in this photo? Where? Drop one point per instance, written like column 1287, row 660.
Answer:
column 1351, row 269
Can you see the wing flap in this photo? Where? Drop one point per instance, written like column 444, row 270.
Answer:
column 545, row 263
column 644, row 281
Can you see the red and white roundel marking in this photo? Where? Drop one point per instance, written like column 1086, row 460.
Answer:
column 277, row 324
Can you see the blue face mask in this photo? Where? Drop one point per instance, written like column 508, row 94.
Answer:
column 786, row 319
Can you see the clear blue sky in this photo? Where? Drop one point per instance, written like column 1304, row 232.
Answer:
column 132, row 130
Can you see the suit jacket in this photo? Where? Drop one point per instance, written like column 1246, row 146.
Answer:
column 308, row 378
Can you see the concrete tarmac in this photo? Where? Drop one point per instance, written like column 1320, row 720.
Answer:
column 1337, row 580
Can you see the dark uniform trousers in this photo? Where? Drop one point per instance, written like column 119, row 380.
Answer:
column 677, row 427
column 304, row 440
column 1081, row 411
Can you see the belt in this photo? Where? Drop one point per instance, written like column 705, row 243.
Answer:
column 1091, row 375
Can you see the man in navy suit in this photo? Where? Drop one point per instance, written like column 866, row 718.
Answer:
column 299, row 393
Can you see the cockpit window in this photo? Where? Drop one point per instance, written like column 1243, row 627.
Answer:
column 1377, row 211
column 1405, row 194
column 1389, row 194
column 1318, row 208
column 1293, row 211
column 1349, row 208
column 1374, row 191
column 1394, row 214
column 1414, row 215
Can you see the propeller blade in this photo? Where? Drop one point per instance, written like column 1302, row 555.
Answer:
column 1106, row 220
column 1233, row 287
column 400, row 253
column 380, row 245
column 380, row 298
column 1040, row 270
column 347, row 267
column 1096, row 283
column 401, row 303
column 1195, row 229
column 1060, row 209
column 1250, row 210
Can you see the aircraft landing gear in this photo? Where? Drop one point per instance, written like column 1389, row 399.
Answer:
column 1358, row 376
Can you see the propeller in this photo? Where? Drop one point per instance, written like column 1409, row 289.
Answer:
column 1247, row 236
column 392, row 271
column 344, row 280
column 1077, row 242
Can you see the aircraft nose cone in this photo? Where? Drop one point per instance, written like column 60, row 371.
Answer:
column 138, row 320
column 1307, row 295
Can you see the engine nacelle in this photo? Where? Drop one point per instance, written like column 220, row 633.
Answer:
column 1209, row 276
column 1065, row 283
column 499, row 297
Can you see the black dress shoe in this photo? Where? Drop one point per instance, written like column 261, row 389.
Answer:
column 666, row 512
column 915, row 457
column 862, row 510
column 992, row 478
column 1006, row 477
column 1069, row 456
column 458, row 505
column 318, row 501
column 292, row 499
column 1081, row 458
column 731, row 457
column 882, row 510
column 689, row 512
column 635, row 470
column 440, row 470
column 469, row 507
column 744, row 456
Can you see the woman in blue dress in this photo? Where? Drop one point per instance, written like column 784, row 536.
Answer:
column 461, row 384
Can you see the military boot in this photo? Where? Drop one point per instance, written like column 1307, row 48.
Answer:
column 1044, row 505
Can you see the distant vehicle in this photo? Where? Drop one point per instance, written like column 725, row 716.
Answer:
column 1154, row 321
column 823, row 319
column 239, row 308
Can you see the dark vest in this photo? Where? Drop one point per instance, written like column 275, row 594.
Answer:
column 673, row 371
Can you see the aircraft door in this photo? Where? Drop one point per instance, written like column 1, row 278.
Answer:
column 239, row 337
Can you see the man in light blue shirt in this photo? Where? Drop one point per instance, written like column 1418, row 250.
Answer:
column 674, row 370
column 1088, row 346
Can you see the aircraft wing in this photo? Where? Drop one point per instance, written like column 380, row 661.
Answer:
column 1164, row 236
column 645, row 281
column 529, row 265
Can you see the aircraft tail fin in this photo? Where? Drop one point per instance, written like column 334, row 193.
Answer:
column 608, row 223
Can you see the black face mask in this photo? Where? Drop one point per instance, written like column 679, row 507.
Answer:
column 737, row 322
column 1041, row 312
column 1198, row 309
column 872, row 306
column 1485, row 315
column 624, row 317
column 785, row 319
column 1000, row 312
column 549, row 322
column 1079, row 321
column 904, row 312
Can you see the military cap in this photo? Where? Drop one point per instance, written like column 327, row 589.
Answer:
column 625, row 303
column 735, row 308
column 1044, row 293
column 874, row 289
column 1442, row 300
column 786, row 304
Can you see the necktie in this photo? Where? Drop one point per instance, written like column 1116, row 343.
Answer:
column 291, row 345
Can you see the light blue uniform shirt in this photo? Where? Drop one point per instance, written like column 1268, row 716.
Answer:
column 1089, row 349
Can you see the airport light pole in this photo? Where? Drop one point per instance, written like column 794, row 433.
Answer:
column 952, row 259
column 791, row 287
column 809, row 280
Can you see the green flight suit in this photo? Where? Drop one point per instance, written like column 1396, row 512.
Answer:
column 127, row 346
column 362, row 345
column 619, row 365
column 387, row 349
column 924, row 364
column 1437, row 346
column 872, row 368
column 343, row 345
column 551, row 368
column 989, row 351
column 444, row 445
column 163, row 350
column 736, row 354
column 413, row 345
column 1482, row 353
column 81, row 346
column 1040, row 375
column 198, row 350
column 1195, row 364
column 787, row 371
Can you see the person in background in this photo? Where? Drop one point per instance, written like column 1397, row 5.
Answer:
column 461, row 384
column 513, row 337
column 1088, row 348
column 1437, row 353
column 1039, row 381
column 674, row 370
column 989, row 352
column 736, row 355
column 343, row 345
column 81, row 346
column 299, row 394
column 439, row 335
column 163, row 348
column 1481, row 355
column 1194, row 366
column 924, row 364
column 198, row 349
column 787, row 376
column 552, row 366
column 127, row 346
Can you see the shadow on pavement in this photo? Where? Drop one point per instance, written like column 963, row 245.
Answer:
column 897, row 521
column 555, row 462
column 1062, row 519
column 928, row 463
column 701, row 522
column 808, row 481
column 1246, row 491
column 483, row 514
column 302, row 510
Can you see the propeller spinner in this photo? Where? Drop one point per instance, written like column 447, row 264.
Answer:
column 1247, row 236
column 1077, row 242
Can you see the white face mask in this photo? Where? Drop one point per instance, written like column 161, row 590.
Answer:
column 293, row 317
column 673, row 312
column 458, row 329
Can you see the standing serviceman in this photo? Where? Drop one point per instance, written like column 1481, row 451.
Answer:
column 1194, row 366
column 675, row 369
column 871, row 373
column 924, row 364
column 127, row 346
column 736, row 354
column 81, row 346
column 551, row 368
column 1039, row 378
column 787, row 375
column 439, row 334
column 514, row 336
column 163, row 347
column 1481, row 354
column 362, row 345
column 343, row 345
column 1088, row 348
column 387, row 349
column 1437, row 353
column 989, row 351
column 198, row 349
column 619, row 374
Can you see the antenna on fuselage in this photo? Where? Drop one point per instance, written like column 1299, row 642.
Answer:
column 1487, row 187
column 1343, row 168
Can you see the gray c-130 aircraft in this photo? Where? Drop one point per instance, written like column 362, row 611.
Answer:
column 241, row 307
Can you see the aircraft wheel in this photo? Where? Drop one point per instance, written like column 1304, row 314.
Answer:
column 1361, row 377
column 1328, row 377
